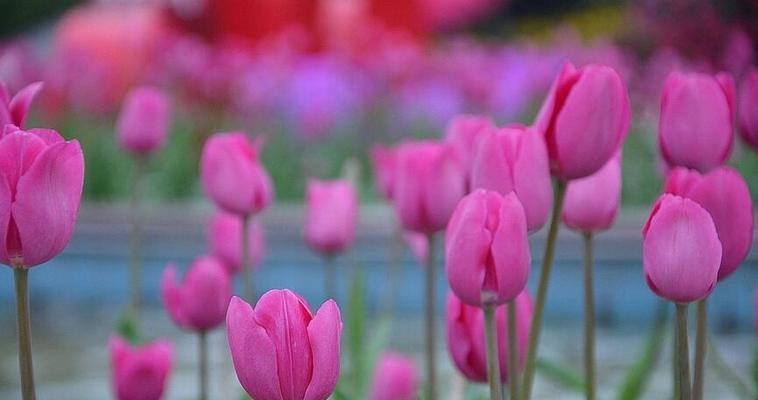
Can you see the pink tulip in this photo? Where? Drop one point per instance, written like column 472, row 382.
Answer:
column 13, row 110
column 748, row 108
column 514, row 159
column 695, row 127
column 331, row 210
column 232, row 174
column 383, row 160
column 681, row 251
column 466, row 339
column 40, row 191
column 224, row 241
column 395, row 378
column 144, row 120
column 200, row 302
column 281, row 351
column 139, row 373
column 463, row 133
column 419, row 245
column 592, row 203
column 429, row 181
column 725, row 195
column 584, row 119
column 486, row 248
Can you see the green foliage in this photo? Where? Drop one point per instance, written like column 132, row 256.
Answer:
column 126, row 327
column 639, row 374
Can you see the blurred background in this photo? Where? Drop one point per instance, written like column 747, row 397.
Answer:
column 322, row 81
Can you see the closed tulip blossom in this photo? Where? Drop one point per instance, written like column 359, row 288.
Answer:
column 13, row 109
column 331, row 211
column 695, row 127
column 748, row 108
column 584, row 119
column 395, row 378
column 281, row 351
column 139, row 373
column 463, row 133
column 419, row 245
column 514, row 159
column 225, row 243
column 144, row 120
column 383, row 160
column 592, row 203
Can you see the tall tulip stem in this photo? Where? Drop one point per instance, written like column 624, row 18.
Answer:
column 493, row 362
column 21, row 279
column 700, row 349
column 246, row 270
column 513, row 366
column 203, row 367
column 547, row 264
column 135, row 239
column 330, row 277
column 683, row 353
column 589, row 319
column 431, row 365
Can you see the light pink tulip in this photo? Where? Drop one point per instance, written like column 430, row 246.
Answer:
column 331, row 211
column 225, row 242
column 463, row 133
column 464, row 325
column 419, row 245
column 139, row 373
column 725, row 195
column 13, row 110
column 143, row 123
column 487, row 255
column 748, row 108
column 395, row 378
column 681, row 251
column 200, row 302
column 40, row 192
column 281, row 351
column 584, row 119
column 514, row 159
column 592, row 203
column 429, row 181
column 232, row 174
column 695, row 127
column 383, row 160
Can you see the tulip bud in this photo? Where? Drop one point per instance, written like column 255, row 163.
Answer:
column 232, row 174
column 40, row 192
column 466, row 337
column 514, row 159
column 331, row 210
column 383, row 160
column 681, row 251
column 144, row 120
column 584, row 119
column 726, row 197
column 486, row 248
column 225, row 242
column 463, row 133
column 592, row 203
column 139, row 373
column 282, row 351
column 695, row 127
column 13, row 110
column 748, row 108
column 395, row 378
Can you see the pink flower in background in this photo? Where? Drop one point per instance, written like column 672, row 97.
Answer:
column 395, row 378
column 592, row 203
column 40, row 192
column 200, row 302
column 725, row 195
column 144, row 120
column 19, row 64
column 748, row 108
column 681, row 252
column 419, row 245
column 464, row 325
column 331, row 212
column 383, row 160
column 695, row 127
column 13, row 109
column 139, row 373
column 283, row 352
column 224, row 241
column 463, row 133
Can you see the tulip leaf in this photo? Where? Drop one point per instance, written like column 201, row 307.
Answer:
column 639, row 374
column 126, row 327
column 560, row 374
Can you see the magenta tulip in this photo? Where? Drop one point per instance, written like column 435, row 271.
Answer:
column 695, row 127
column 200, row 302
column 13, row 110
column 331, row 211
column 748, row 108
column 463, row 133
column 281, row 351
column 514, row 159
column 144, row 120
column 725, row 195
column 139, row 373
column 232, row 174
column 40, row 192
column 592, row 203
column 584, row 119
column 224, row 241
column 486, row 248
column 681, row 252
column 465, row 335
column 429, row 181
column 395, row 378
column 383, row 160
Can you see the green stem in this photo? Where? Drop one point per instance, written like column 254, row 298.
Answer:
column 513, row 366
column 700, row 349
column 674, row 358
column 493, row 361
column 547, row 264
column 430, row 322
column 246, row 269
column 203, row 367
column 683, row 356
column 330, row 277
column 21, row 279
column 135, row 240
column 589, row 320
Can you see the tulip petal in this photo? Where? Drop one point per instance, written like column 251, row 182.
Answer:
column 490, row 170
column 21, row 102
column 227, row 172
column 510, row 249
column 172, row 295
column 531, row 179
column 324, row 334
column 18, row 151
column 459, row 340
column 5, row 219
